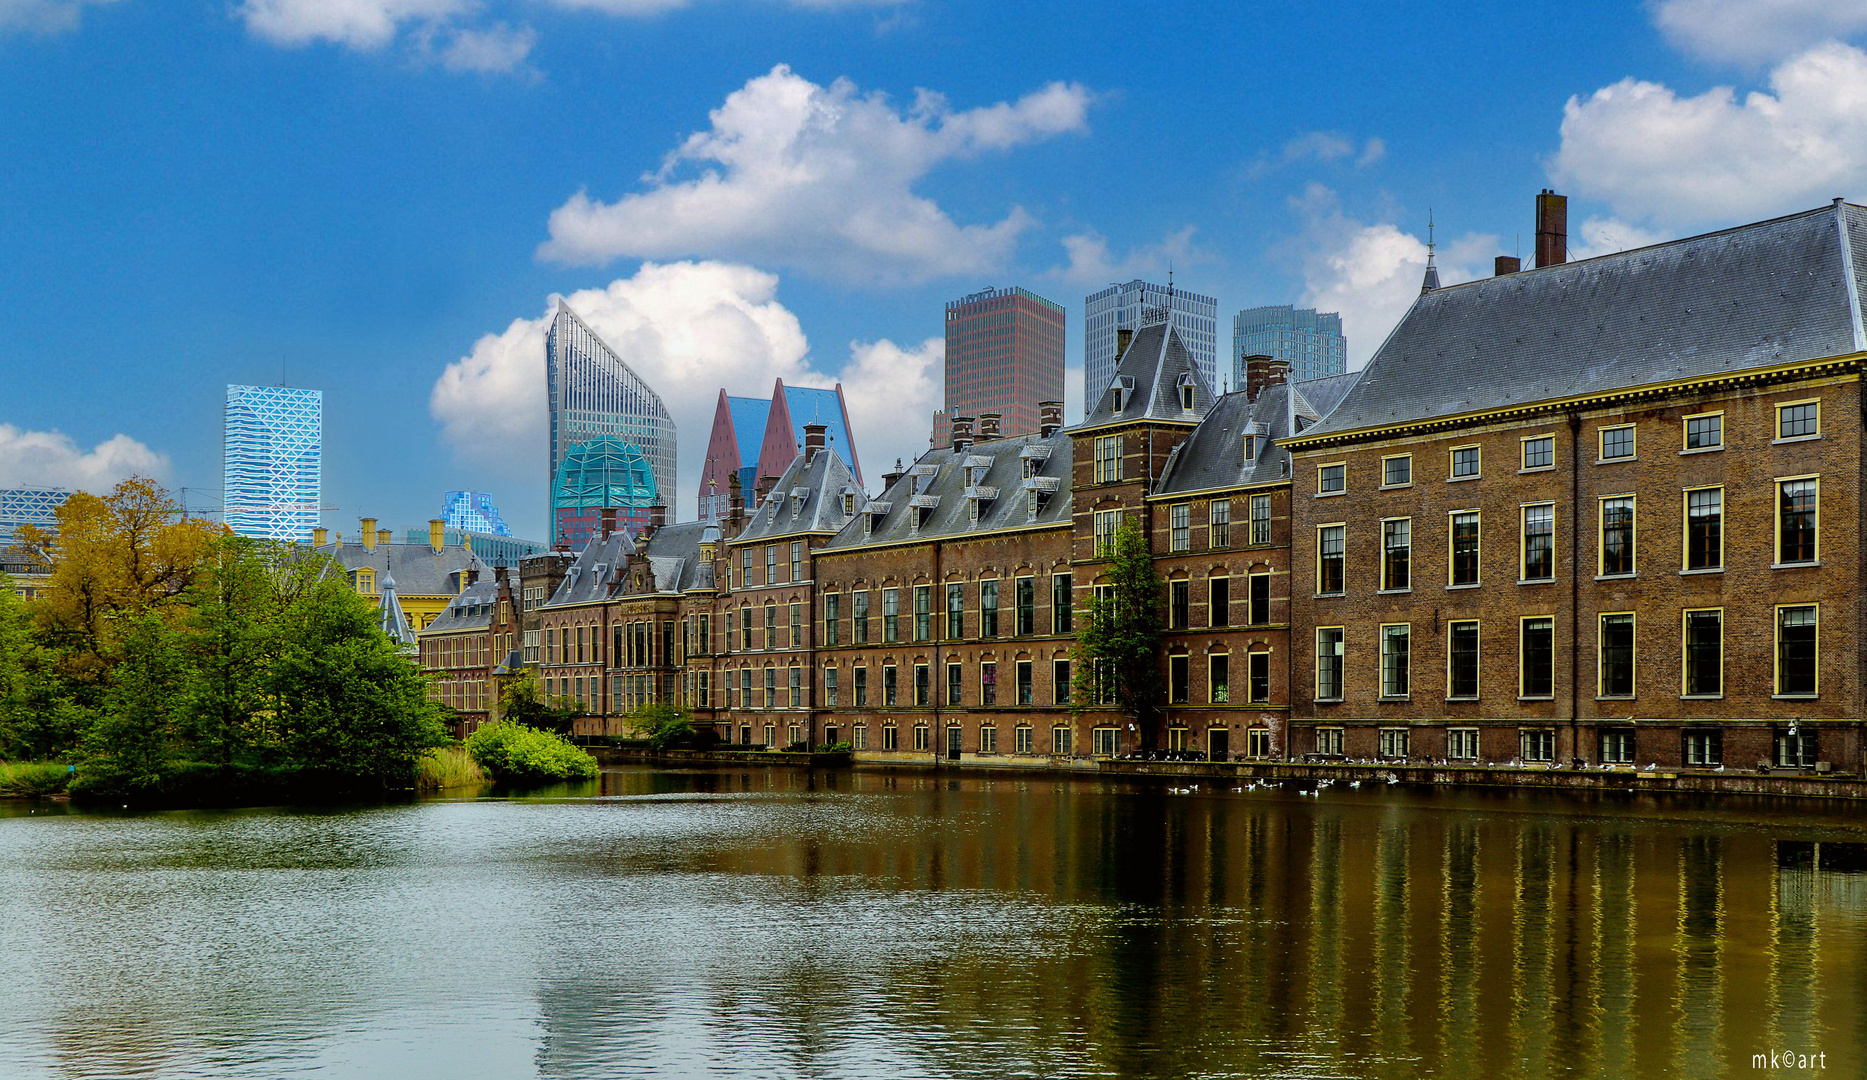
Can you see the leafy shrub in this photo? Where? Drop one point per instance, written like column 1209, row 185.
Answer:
column 448, row 767
column 835, row 748
column 662, row 726
column 514, row 753
column 32, row 779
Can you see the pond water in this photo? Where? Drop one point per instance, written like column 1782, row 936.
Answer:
column 898, row 925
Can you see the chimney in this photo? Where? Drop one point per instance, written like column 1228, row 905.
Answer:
column 888, row 479
column 962, row 433
column 763, row 488
column 813, row 440
column 385, row 537
column 1507, row 264
column 1552, row 228
column 320, row 536
column 369, row 533
column 988, row 426
column 1123, row 336
column 1049, row 417
column 735, row 501
column 657, row 518
column 608, row 516
column 1262, row 371
column 437, row 534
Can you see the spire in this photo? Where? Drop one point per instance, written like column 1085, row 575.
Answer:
column 1431, row 281
column 390, row 616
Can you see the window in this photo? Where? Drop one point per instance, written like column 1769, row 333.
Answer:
column 859, row 616
column 1180, row 530
column 1796, row 628
column 1464, row 540
column 1218, row 678
column 1397, row 471
column 1218, row 601
column 1617, row 535
column 1617, row 748
column 862, row 687
column 1329, row 741
column 1538, row 744
column 953, row 684
column 1704, row 749
column 1704, row 529
column 1027, row 693
column 955, row 610
column 830, row 697
column 988, row 683
column 923, row 612
column 1462, row 744
column 1258, row 677
column 921, row 737
column 745, row 688
column 797, row 687
column 1179, row 604
column 1176, row 738
column 1462, row 660
column 1539, row 453
column 1062, row 596
column 1177, row 679
column 1329, row 564
column 1393, row 742
column 1799, row 420
column 1539, row 542
column 1257, row 742
column 1394, row 649
column 771, row 626
column 1258, row 601
column 1024, row 606
column 1617, row 655
column 797, row 625
column 1536, row 657
column 1251, row 448
column 1617, row 443
column 1104, row 742
column 1108, row 522
column 797, row 560
column 891, row 615
column 771, row 688
column 1464, row 462
column 1331, row 479
column 1060, row 741
column 988, row 608
column 1704, row 432
column 1260, row 519
column 832, row 607
column 1796, row 519
column 889, row 699
column 1704, row 653
column 1219, row 523
column 1108, row 459
column 771, row 564
column 1397, row 553
column 1021, row 739
column 745, row 567
column 988, row 739
column 1060, row 681
column 891, row 736
column 1795, row 750
column 921, row 688
column 1329, row 663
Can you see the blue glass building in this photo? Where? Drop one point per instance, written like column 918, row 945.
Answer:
column 273, row 461
column 1312, row 341
column 29, row 506
column 473, row 511
column 1121, row 307
column 603, row 416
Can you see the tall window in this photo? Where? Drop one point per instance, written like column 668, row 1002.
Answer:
column 888, row 685
column 1796, row 507
column 1536, row 657
column 1024, row 606
column 1219, row 523
column 1219, row 601
column 1180, row 518
column 797, row 687
column 1060, row 681
column 1800, row 420
column 1179, row 604
column 891, row 615
column 1218, row 678
column 988, row 608
column 1704, row 529
column 923, row 612
column 1462, row 660
column 859, row 616
column 797, row 625
column 1617, row 535
column 988, row 683
column 829, row 687
column 1258, row 603
column 1704, row 653
column 771, row 688
column 1062, row 606
column 1397, row 553
column 921, row 688
column 1258, row 672
column 1026, row 692
column 1539, row 542
column 1795, row 649
column 771, row 626
column 953, row 684
column 1329, row 559
column 832, row 610
column 1329, row 663
column 1539, row 452
column 1177, row 679
column 1464, row 548
column 1617, row 655
column 797, row 560
column 1617, row 442
column 1107, row 522
column 1108, row 459
column 955, row 610
column 1704, row 432
column 1260, row 519
column 862, row 687
column 771, row 564
column 745, row 567
column 1395, row 641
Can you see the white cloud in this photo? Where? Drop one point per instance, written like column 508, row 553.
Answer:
column 796, row 174
column 360, row 24
column 1606, row 235
column 43, row 16
column 1756, row 31
column 1715, row 159
column 54, row 459
column 1090, row 262
column 656, row 7
column 496, row 50
column 1319, row 146
column 689, row 329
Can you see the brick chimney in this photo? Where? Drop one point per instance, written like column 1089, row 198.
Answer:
column 962, row 433
column 369, row 533
column 988, row 426
column 888, row 479
column 763, row 488
column 607, row 515
column 735, row 501
column 1122, row 337
column 813, row 440
column 1049, row 417
column 657, row 516
column 1262, row 372
column 437, row 534
column 1507, row 264
column 1552, row 228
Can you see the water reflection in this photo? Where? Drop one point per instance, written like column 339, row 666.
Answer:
column 870, row 924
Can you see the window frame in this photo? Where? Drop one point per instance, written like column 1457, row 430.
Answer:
column 1523, row 658
column 1108, row 459
column 1251, row 602
column 1340, row 662
column 1815, row 654
column 1180, row 604
column 1685, row 525
column 1633, row 656
column 1477, row 659
column 1219, row 678
column 1180, row 527
column 1601, row 443
column 1453, row 475
column 1523, row 542
column 1388, row 484
column 1262, row 499
column 1340, row 559
column 1815, row 525
column 1219, row 523
column 1523, row 452
column 1685, row 654
column 1452, row 549
column 1462, row 739
column 1323, row 475
column 1388, row 567
column 1780, row 406
column 1685, row 432
column 1396, row 667
column 1601, row 535
column 1062, row 603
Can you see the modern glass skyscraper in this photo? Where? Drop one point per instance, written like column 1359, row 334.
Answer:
column 473, row 511
column 612, row 440
column 1004, row 354
column 29, row 506
column 1120, row 307
column 1312, row 341
column 273, row 461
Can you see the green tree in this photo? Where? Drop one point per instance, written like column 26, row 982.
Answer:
column 662, row 725
column 135, row 736
column 232, row 632
column 1118, row 651
column 521, row 702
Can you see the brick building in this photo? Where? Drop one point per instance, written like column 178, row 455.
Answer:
column 470, row 649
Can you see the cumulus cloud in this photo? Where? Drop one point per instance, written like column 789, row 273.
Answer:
column 689, row 329
column 1756, row 31
column 1319, row 146
column 1715, row 158
column 43, row 16
column 54, row 459
column 1091, row 262
column 793, row 173
column 436, row 31
column 1607, row 235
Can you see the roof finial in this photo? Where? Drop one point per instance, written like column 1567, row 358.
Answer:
column 1431, row 281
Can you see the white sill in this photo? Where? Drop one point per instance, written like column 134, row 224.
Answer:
column 1614, row 697
column 1701, row 450
column 1331, row 494
column 1329, row 595
column 1536, row 697
column 1328, row 701
column 1617, row 577
column 1394, row 697
column 1392, row 592
column 1536, row 468
column 1471, row 585
column 1701, row 697
column 1703, row 570
column 1796, row 565
column 1794, row 697
column 1396, row 487
column 1796, row 439
column 1617, row 460
column 1536, row 581
column 1467, row 697
column 1463, row 479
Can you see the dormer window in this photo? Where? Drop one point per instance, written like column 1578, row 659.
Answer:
column 1186, row 394
column 1251, row 448
column 849, row 504
column 1115, row 399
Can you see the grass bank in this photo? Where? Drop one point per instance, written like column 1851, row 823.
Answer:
column 449, row 767
column 33, row 779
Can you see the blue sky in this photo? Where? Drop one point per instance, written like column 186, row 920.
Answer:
column 381, row 195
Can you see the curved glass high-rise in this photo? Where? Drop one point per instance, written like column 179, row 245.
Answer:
column 597, row 399
column 273, row 461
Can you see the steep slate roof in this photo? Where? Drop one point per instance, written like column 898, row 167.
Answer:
column 674, row 556
column 940, row 477
column 1153, row 367
column 471, row 610
column 418, row 569
column 1321, row 396
column 819, row 509
column 590, row 576
column 1774, row 292
column 391, row 617
column 1213, row 456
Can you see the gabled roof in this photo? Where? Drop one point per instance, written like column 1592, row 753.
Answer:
column 748, row 416
column 808, row 498
column 1150, row 374
column 1317, row 398
column 594, row 571
column 943, row 483
column 418, row 569
column 471, row 610
column 673, row 553
column 806, row 405
column 1213, row 456
column 1755, row 296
